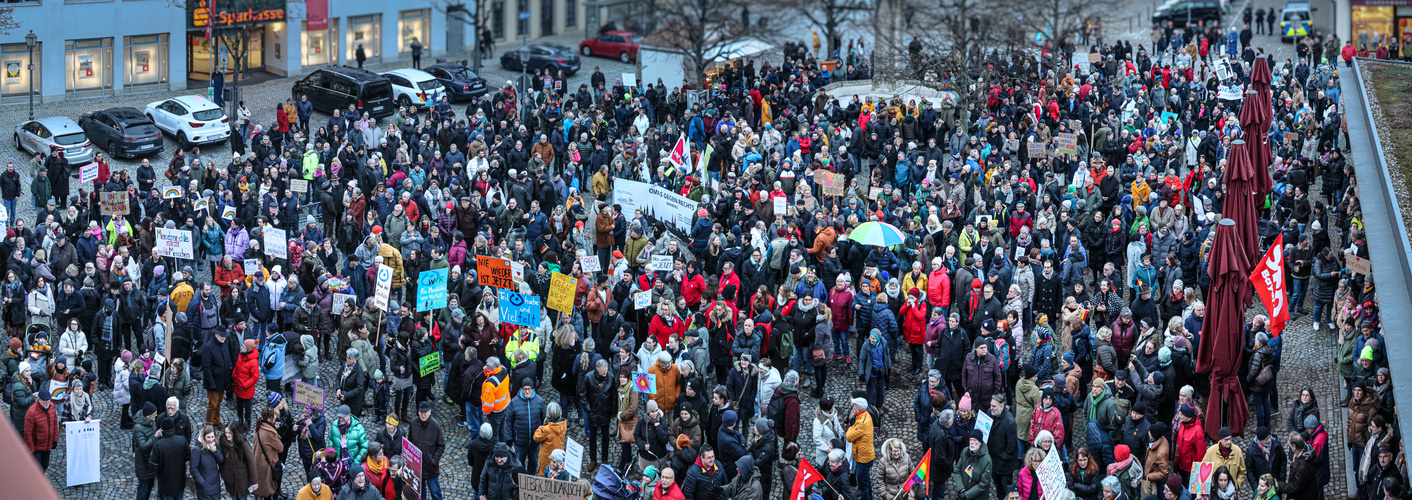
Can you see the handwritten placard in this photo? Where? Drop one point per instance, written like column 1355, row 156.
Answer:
column 311, row 396
column 1067, row 143
column 113, row 203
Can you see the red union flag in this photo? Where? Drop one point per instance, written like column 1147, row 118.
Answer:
column 679, row 153
column 805, row 476
column 1269, row 280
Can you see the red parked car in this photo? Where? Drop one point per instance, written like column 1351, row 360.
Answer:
column 619, row 44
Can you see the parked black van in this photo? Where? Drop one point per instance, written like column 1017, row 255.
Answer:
column 335, row 87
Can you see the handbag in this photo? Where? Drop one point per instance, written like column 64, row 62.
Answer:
column 818, row 354
column 1266, row 375
column 627, row 422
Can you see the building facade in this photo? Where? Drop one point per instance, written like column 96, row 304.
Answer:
column 97, row 48
column 514, row 21
column 93, row 48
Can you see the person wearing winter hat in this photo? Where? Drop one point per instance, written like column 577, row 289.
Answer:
column 860, row 434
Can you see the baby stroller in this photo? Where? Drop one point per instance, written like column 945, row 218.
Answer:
column 38, row 339
column 608, row 485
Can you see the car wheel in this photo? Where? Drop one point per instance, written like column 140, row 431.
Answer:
column 18, row 147
column 623, row 56
column 586, row 50
column 112, row 149
column 181, row 140
column 404, row 102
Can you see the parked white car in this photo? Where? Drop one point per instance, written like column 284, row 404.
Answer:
column 193, row 120
column 414, row 86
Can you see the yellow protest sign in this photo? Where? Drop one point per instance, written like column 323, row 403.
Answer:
column 562, row 288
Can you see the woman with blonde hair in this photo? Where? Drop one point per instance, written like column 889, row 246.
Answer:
column 1028, row 483
column 897, row 468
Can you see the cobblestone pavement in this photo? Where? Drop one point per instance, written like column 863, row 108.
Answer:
column 1307, row 356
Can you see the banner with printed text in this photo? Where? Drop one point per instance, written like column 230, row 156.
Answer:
column 661, row 205
column 174, row 243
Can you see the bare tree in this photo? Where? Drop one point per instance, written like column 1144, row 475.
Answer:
column 1056, row 26
column 829, row 16
column 8, row 23
column 702, row 30
column 477, row 18
column 233, row 40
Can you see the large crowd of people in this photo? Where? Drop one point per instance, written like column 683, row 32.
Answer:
column 1054, row 297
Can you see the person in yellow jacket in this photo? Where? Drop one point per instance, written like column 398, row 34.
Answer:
column 861, row 435
column 522, row 340
column 117, row 225
column 311, row 163
column 914, row 279
column 391, row 257
column 1226, row 454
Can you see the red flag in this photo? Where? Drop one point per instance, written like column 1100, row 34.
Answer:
column 1269, row 281
column 679, row 153
column 922, row 474
column 802, row 479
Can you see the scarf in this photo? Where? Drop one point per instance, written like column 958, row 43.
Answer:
column 377, row 466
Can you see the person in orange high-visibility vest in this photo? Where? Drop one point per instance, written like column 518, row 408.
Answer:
column 495, row 394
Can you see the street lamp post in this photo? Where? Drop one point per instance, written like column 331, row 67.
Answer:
column 30, row 41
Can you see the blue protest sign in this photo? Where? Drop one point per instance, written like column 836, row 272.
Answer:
column 431, row 289
column 518, row 309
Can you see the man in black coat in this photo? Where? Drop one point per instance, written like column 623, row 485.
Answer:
column 704, row 479
column 425, row 433
column 1004, row 452
column 501, row 472
column 943, row 448
column 352, row 382
column 216, row 366
column 169, row 457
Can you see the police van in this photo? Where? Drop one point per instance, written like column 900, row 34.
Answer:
column 1295, row 21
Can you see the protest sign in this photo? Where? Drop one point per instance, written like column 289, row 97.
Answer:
column 645, row 383
column 431, row 289
column 201, row 204
column 533, row 487
column 340, row 299
column 831, row 183
column 641, row 300
column 517, row 271
column 299, row 185
column 660, row 205
column 518, row 309
column 276, row 243
column 113, row 203
column 573, row 457
column 629, row 80
column 88, row 173
column 382, row 286
column 309, row 395
column 493, row 272
column 1201, row 475
column 1035, row 149
column 174, row 243
column 171, row 192
column 590, row 264
column 430, row 363
column 1067, row 143
column 251, row 266
column 660, row 263
column 1359, row 265
column 1052, row 479
column 82, row 441
column 411, row 469
column 228, row 213
column 779, row 204
column 983, row 424
column 562, row 288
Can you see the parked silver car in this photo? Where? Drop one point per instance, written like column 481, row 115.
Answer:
column 56, row 132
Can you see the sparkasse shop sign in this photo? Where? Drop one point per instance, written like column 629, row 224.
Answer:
column 230, row 13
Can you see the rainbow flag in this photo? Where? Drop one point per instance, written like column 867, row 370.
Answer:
column 920, row 475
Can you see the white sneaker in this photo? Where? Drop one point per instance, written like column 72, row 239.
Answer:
column 1332, row 327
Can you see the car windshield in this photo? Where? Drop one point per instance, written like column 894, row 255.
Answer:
column 207, row 115
column 428, row 85
column 73, row 139
column 1294, row 16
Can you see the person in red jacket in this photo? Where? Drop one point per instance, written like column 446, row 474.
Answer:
column 42, row 429
column 1348, row 52
column 245, row 376
column 228, row 273
column 692, row 285
column 939, row 285
column 914, row 326
column 1191, row 440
